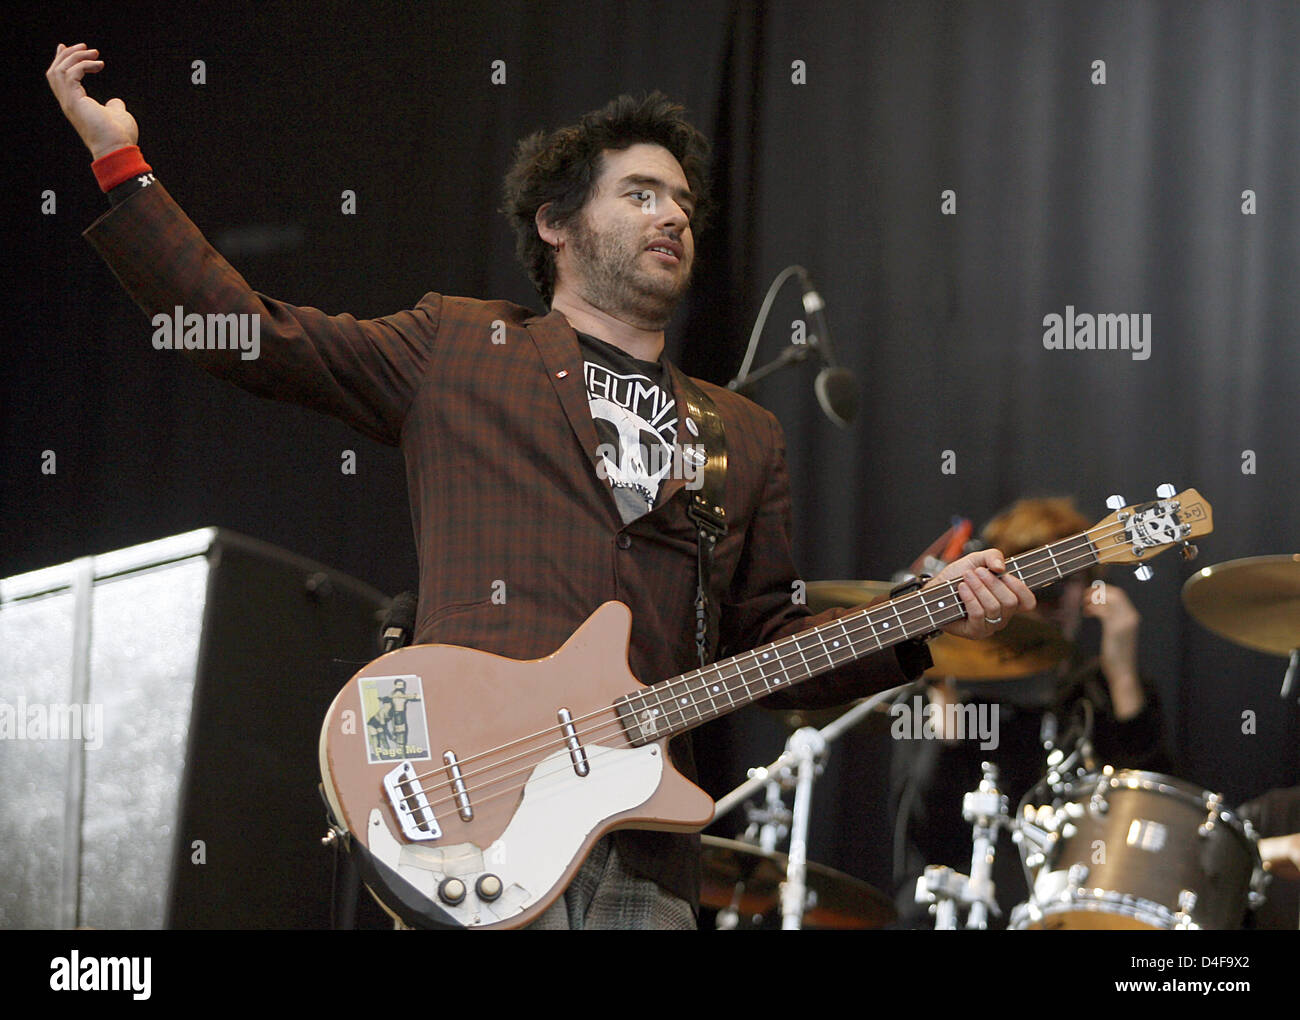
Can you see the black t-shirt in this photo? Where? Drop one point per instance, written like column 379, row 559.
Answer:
column 635, row 415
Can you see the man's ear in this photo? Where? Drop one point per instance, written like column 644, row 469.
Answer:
column 547, row 232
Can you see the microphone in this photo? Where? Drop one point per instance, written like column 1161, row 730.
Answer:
column 837, row 392
column 399, row 623
column 835, row 386
column 836, row 389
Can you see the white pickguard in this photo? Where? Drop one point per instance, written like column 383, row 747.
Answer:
column 557, row 813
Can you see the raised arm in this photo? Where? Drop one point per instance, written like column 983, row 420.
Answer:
column 362, row 371
column 104, row 127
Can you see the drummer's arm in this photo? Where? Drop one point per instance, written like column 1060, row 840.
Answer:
column 1281, row 855
column 1119, row 651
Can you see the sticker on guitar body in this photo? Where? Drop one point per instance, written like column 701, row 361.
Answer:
column 393, row 733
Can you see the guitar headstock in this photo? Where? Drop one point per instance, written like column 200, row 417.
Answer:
column 1136, row 533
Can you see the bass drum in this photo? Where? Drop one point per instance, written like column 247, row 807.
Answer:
column 1138, row 850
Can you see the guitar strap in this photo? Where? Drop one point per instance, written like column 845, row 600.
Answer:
column 706, row 508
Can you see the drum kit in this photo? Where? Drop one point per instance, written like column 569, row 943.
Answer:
column 1101, row 848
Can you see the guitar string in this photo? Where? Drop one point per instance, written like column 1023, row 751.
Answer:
column 613, row 724
column 549, row 736
column 606, row 727
column 485, row 791
column 934, row 594
column 481, row 798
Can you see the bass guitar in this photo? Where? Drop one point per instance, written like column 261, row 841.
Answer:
column 469, row 787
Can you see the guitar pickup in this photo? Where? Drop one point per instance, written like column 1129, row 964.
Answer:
column 464, row 807
column 577, row 753
column 406, row 795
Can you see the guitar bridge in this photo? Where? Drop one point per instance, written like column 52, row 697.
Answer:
column 406, row 795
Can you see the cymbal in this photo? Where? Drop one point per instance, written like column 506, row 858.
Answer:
column 1025, row 646
column 842, row 901
column 1253, row 602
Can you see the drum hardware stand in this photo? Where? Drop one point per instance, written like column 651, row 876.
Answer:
column 1033, row 840
column 769, row 824
column 1288, row 681
column 809, row 748
column 804, row 758
column 943, row 889
column 1032, row 836
column 1062, row 769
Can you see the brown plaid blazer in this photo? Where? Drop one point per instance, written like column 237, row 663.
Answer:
column 488, row 403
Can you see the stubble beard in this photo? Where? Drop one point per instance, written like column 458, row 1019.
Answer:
column 613, row 281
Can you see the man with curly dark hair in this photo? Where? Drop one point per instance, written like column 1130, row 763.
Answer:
column 540, row 449
column 557, row 172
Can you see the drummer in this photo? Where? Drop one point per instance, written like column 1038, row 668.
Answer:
column 931, row 776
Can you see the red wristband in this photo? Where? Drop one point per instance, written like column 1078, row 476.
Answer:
column 118, row 166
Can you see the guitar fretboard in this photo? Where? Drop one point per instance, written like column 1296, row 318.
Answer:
column 693, row 698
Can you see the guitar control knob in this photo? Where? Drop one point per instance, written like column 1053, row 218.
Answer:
column 488, row 887
column 451, row 891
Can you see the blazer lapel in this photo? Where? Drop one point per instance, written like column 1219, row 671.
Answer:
column 557, row 344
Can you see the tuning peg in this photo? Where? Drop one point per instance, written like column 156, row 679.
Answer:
column 1165, row 490
column 1143, row 572
column 1189, row 551
column 1115, row 502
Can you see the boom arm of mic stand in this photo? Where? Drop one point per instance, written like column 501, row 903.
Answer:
column 830, row 733
column 792, row 354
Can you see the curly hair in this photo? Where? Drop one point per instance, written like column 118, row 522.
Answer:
column 561, row 168
column 1029, row 523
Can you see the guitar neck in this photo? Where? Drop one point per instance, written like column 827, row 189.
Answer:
column 694, row 698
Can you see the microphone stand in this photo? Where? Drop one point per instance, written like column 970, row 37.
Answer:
column 834, row 384
column 800, row 763
column 791, row 355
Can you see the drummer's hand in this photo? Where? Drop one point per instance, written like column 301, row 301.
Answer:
column 1282, row 855
column 1119, row 649
column 991, row 595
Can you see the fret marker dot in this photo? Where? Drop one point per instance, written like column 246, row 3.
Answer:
column 942, row 603
column 716, row 688
column 837, row 644
column 681, row 701
column 767, row 655
column 884, row 626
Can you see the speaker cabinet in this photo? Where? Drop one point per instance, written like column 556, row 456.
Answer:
column 160, row 708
